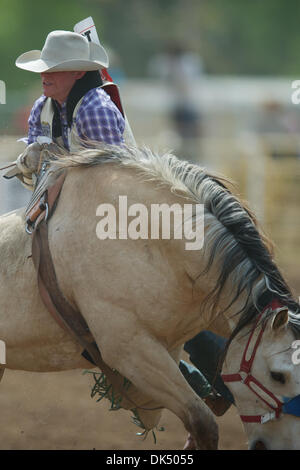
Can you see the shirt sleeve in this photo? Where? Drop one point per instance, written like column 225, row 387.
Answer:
column 34, row 121
column 100, row 120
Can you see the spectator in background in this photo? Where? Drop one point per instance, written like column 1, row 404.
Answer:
column 182, row 69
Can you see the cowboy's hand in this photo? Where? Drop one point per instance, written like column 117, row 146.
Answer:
column 26, row 165
column 27, row 181
column 29, row 161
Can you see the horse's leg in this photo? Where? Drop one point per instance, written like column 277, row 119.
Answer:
column 1, row 373
column 149, row 366
column 148, row 412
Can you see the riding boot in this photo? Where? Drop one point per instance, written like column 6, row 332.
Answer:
column 205, row 351
column 195, row 379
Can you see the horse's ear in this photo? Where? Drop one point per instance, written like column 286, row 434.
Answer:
column 280, row 319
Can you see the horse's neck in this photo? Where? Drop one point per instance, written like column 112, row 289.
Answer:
column 222, row 319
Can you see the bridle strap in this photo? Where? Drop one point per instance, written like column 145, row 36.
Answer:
column 246, row 365
column 252, row 380
column 249, row 380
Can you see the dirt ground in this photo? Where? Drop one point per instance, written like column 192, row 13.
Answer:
column 54, row 411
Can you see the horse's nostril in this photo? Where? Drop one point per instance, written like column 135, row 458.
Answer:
column 258, row 445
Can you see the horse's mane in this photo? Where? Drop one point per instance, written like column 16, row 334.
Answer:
column 233, row 236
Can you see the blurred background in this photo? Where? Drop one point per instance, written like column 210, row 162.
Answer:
column 209, row 79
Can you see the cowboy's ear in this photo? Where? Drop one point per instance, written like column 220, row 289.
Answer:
column 280, row 320
column 79, row 74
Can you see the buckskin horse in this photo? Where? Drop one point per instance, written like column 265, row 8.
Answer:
column 142, row 299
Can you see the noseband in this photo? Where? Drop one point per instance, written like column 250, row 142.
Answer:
column 288, row 405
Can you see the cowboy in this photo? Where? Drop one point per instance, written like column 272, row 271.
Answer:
column 73, row 106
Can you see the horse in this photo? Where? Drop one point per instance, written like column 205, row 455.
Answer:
column 144, row 296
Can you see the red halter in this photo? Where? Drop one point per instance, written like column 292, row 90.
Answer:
column 244, row 375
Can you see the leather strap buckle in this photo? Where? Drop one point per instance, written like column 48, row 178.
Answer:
column 39, row 211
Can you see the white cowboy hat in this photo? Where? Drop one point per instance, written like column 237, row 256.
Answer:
column 64, row 51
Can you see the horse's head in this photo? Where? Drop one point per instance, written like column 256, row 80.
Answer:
column 261, row 371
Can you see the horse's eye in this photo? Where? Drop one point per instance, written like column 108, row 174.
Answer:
column 278, row 376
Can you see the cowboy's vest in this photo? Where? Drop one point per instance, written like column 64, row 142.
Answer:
column 50, row 116
column 47, row 115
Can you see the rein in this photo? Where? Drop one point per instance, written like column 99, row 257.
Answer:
column 278, row 407
column 62, row 311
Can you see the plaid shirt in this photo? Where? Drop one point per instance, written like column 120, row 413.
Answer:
column 97, row 118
